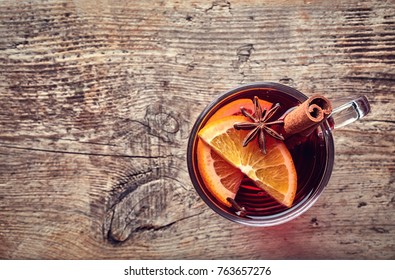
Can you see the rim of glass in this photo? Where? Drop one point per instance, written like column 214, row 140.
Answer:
column 278, row 218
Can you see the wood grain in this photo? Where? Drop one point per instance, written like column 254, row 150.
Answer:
column 97, row 99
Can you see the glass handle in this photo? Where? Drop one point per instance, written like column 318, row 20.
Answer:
column 350, row 112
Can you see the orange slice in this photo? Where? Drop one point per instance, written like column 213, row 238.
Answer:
column 274, row 171
column 233, row 108
column 220, row 177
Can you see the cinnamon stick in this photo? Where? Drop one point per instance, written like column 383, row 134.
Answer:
column 307, row 116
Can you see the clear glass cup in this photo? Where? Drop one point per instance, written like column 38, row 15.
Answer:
column 313, row 160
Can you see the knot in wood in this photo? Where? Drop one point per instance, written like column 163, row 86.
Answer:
column 167, row 122
column 161, row 123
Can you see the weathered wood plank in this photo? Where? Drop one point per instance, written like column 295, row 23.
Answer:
column 97, row 100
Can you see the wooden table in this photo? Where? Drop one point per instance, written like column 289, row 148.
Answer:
column 97, row 99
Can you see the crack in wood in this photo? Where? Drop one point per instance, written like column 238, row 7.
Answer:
column 220, row 3
column 84, row 153
column 384, row 121
column 151, row 227
column 87, row 142
column 243, row 55
column 379, row 229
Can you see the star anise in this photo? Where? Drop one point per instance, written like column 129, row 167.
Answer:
column 260, row 122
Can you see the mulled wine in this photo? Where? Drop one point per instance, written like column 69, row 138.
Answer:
column 312, row 156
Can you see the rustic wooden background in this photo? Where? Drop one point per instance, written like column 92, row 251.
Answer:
column 97, row 99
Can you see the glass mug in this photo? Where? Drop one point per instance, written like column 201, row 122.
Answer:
column 313, row 158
